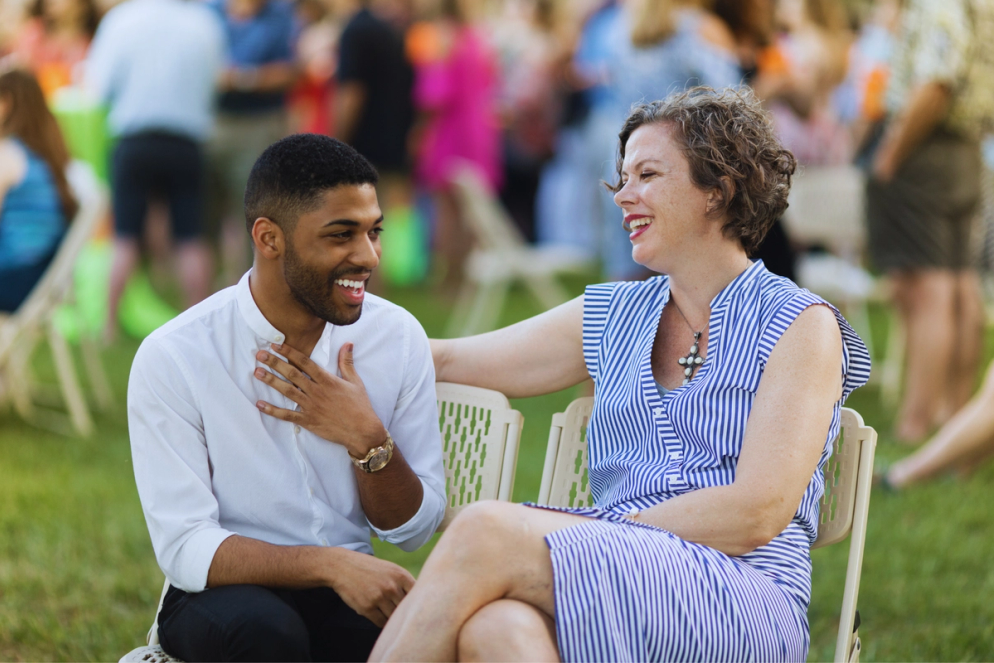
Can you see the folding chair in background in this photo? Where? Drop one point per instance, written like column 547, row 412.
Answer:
column 21, row 332
column 843, row 508
column 500, row 258
column 480, row 438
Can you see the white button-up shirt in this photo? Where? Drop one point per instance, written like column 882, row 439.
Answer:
column 209, row 464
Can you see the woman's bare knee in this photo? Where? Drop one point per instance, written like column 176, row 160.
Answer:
column 482, row 527
column 508, row 630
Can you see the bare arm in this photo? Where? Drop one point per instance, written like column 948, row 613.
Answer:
column 338, row 410
column 350, row 97
column 391, row 496
column 370, row 586
column 927, row 107
column 783, row 443
column 533, row 357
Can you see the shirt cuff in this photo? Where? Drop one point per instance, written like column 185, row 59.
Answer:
column 415, row 532
column 195, row 559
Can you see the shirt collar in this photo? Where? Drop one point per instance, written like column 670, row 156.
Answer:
column 253, row 316
column 264, row 329
column 737, row 284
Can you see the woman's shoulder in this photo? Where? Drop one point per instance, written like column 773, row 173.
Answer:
column 780, row 301
column 621, row 302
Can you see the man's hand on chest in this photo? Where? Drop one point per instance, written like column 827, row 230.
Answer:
column 334, row 408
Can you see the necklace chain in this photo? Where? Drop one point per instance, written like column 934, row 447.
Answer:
column 693, row 360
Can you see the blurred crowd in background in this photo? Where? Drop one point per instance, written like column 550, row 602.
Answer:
column 530, row 94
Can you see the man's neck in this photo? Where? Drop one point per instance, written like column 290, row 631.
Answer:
column 301, row 328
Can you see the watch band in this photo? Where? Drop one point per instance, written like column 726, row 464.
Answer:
column 377, row 458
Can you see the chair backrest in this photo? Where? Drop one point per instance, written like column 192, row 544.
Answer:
column 54, row 286
column 564, row 477
column 480, row 438
column 490, row 224
column 838, row 503
column 844, row 508
column 826, row 206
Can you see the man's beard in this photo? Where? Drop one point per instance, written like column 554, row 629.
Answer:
column 316, row 292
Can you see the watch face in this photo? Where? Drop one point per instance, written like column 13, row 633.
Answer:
column 379, row 459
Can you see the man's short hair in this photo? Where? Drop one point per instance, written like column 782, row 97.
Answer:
column 292, row 174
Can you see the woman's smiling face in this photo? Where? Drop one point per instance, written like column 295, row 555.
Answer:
column 665, row 212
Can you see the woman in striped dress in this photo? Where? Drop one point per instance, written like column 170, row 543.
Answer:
column 718, row 391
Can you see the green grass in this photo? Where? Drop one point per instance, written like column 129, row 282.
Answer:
column 78, row 580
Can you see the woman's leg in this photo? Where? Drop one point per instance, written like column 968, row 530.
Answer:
column 929, row 297
column 508, row 630
column 492, row 551
column 967, row 436
column 969, row 342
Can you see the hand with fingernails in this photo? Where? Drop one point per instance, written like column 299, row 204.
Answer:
column 334, row 408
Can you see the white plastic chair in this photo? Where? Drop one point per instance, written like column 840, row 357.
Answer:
column 828, row 208
column 843, row 508
column 481, row 434
column 500, row 258
column 22, row 331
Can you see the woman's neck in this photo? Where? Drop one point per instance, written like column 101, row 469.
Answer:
column 696, row 283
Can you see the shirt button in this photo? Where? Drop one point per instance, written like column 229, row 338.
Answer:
column 658, row 411
column 310, row 491
column 296, row 430
column 324, row 542
column 279, row 338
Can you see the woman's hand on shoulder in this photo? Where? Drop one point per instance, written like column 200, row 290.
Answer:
column 536, row 356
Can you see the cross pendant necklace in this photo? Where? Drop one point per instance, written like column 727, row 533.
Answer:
column 693, row 359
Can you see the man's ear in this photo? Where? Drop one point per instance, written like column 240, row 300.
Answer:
column 721, row 195
column 268, row 238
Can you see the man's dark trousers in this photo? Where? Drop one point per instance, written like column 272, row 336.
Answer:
column 252, row 623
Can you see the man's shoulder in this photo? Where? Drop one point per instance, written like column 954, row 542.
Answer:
column 381, row 311
column 119, row 15
column 189, row 325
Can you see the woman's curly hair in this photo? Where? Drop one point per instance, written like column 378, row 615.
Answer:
column 731, row 146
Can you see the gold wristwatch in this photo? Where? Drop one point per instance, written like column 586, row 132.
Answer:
column 377, row 458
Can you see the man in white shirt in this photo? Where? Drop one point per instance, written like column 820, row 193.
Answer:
column 263, row 423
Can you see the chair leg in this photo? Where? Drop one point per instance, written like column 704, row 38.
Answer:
column 486, row 308
column 71, row 391
column 547, row 290
column 460, row 312
column 21, row 382
column 95, row 373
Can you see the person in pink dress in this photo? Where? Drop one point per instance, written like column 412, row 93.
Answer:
column 455, row 92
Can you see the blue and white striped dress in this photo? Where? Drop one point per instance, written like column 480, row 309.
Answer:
column 627, row 591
